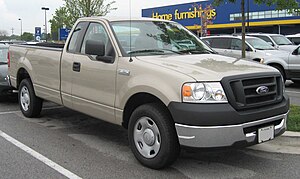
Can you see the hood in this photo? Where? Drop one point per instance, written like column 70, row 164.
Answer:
column 289, row 48
column 207, row 67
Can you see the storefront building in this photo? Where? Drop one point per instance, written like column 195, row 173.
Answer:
column 226, row 18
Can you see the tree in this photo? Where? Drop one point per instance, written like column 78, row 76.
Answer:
column 3, row 35
column 67, row 15
column 87, row 8
column 60, row 19
column 26, row 36
column 280, row 5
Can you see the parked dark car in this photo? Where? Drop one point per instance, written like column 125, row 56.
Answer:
column 4, row 85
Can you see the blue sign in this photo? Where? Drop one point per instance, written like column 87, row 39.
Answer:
column 63, row 33
column 38, row 34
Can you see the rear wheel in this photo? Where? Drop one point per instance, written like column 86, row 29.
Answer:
column 152, row 136
column 30, row 104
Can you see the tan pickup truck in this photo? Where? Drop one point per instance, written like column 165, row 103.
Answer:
column 140, row 74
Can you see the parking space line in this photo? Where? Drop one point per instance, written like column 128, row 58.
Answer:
column 40, row 157
column 48, row 108
column 292, row 92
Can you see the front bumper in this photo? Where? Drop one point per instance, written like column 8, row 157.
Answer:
column 231, row 135
column 220, row 125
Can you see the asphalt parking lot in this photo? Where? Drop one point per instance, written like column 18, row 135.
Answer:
column 62, row 143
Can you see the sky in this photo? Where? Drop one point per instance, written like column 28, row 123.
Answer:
column 32, row 16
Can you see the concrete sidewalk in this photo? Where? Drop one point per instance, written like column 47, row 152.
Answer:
column 289, row 143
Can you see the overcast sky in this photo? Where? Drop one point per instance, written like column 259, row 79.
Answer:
column 32, row 16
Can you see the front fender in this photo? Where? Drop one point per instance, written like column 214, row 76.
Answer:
column 163, row 90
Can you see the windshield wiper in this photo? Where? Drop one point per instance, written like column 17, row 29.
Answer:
column 194, row 51
column 146, row 51
column 153, row 51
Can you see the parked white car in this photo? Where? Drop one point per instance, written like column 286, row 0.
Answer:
column 276, row 40
column 288, row 63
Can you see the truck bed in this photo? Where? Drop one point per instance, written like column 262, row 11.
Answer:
column 42, row 62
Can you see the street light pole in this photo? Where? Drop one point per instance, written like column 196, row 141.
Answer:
column 45, row 9
column 21, row 28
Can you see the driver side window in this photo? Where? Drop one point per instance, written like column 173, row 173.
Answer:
column 96, row 32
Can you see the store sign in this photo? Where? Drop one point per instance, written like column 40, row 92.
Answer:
column 193, row 13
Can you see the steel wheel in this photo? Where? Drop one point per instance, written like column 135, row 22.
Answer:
column 25, row 98
column 29, row 103
column 147, row 137
column 152, row 136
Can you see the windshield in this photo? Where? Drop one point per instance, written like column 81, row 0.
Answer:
column 281, row 40
column 259, row 44
column 3, row 55
column 157, row 38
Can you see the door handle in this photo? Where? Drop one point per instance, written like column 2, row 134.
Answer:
column 76, row 66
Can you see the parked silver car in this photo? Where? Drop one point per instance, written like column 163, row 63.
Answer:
column 288, row 63
column 276, row 40
column 231, row 45
column 4, row 86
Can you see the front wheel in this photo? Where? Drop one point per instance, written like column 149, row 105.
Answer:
column 152, row 136
column 30, row 104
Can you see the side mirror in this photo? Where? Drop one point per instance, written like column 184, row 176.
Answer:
column 248, row 49
column 296, row 51
column 93, row 47
column 97, row 48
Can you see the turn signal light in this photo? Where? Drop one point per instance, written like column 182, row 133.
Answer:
column 186, row 91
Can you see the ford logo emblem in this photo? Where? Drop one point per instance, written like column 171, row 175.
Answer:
column 262, row 90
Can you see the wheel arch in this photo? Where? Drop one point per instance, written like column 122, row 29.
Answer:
column 137, row 100
column 21, row 75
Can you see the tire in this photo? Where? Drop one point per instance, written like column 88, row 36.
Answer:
column 30, row 104
column 280, row 69
column 152, row 136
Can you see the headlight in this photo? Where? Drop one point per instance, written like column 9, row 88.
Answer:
column 203, row 93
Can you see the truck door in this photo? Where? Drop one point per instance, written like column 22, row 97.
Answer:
column 73, row 47
column 93, row 81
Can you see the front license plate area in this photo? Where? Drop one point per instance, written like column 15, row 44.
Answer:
column 265, row 134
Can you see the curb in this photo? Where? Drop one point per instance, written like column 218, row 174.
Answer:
column 291, row 134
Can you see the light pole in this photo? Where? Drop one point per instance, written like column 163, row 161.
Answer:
column 45, row 9
column 21, row 27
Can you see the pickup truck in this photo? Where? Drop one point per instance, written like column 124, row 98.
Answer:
column 133, row 73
